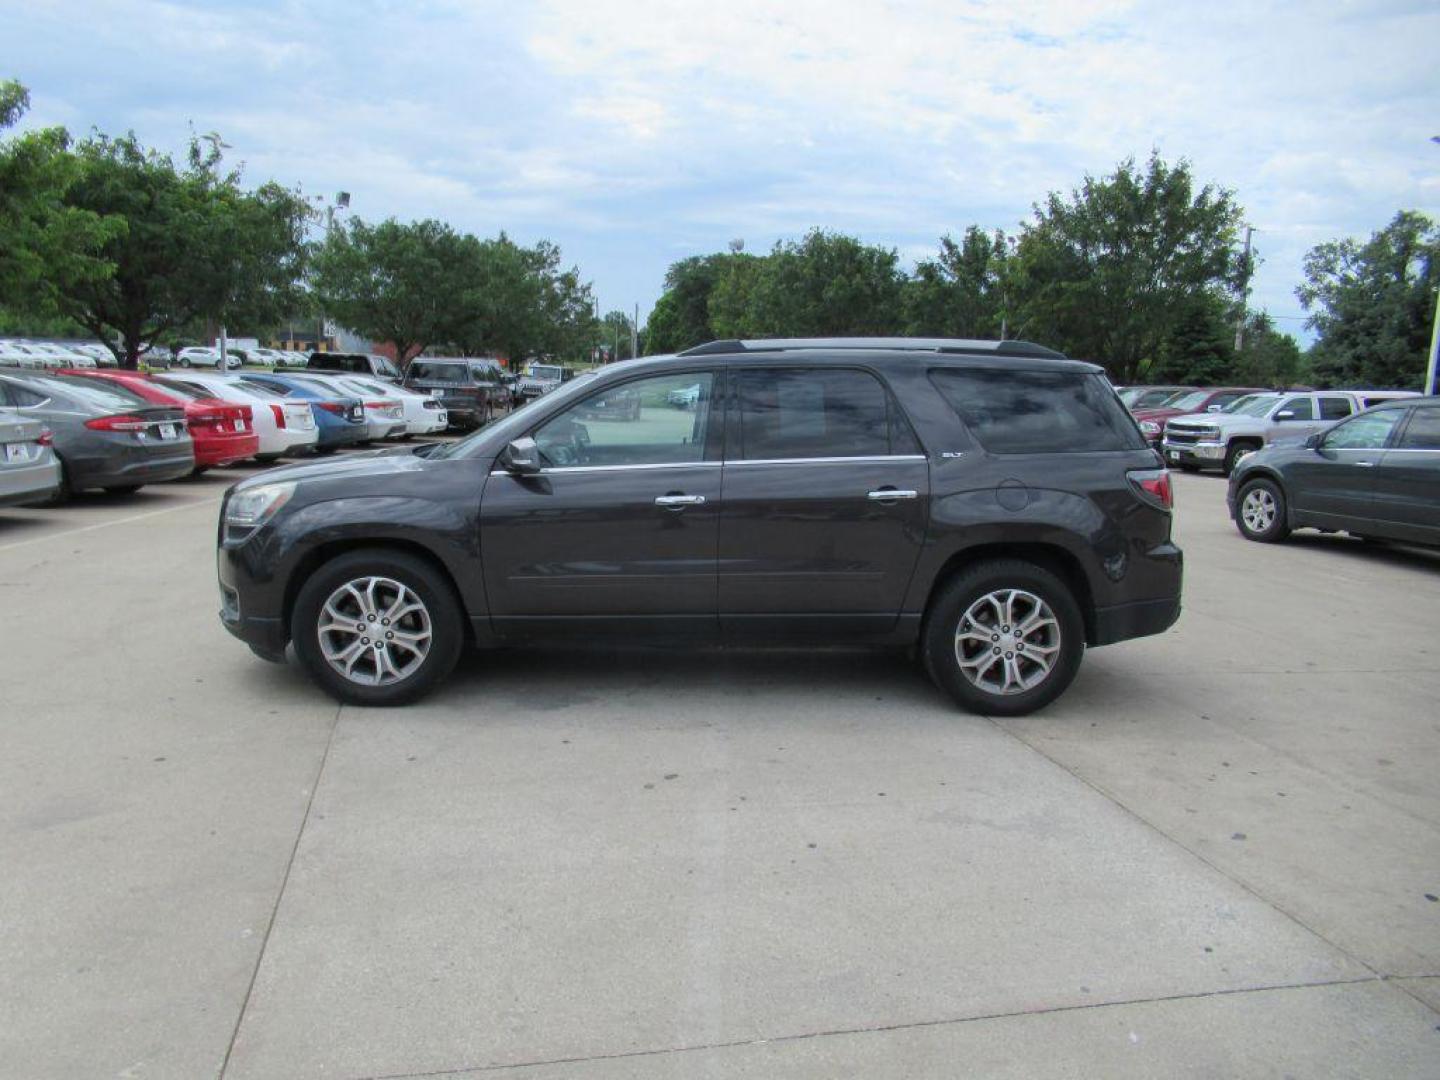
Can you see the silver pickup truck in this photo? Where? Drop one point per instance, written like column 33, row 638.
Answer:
column 1219, row 440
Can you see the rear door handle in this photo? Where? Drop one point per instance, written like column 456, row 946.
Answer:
column 679, row 502
column 887, row 494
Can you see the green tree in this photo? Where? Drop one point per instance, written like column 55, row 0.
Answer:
column 614, row 334
column 962, row 293
column 413, row 285
column 1107, row 272
column 45, row 244
column 1199, row 349
column 1373, row 304
column 681, row 317
column 825, row 284
column 193, row 245
column 1268, row 357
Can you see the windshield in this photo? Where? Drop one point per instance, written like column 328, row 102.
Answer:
column 542, row 371
column 1254, row 405
column 1190, row 401
column 432, row 372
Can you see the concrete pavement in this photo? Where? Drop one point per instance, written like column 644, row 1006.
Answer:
column 1214, row 856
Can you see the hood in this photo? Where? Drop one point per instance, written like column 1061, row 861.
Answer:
column 369, row 463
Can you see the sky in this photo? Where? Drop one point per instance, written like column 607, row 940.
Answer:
column 634, row 134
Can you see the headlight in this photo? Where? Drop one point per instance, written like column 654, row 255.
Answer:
column 252, row 508
column 1149, row 427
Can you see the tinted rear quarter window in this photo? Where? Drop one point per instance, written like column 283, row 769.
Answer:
column 1038, row 412
column 810, row 413
column 449, row 373
column 1423, row 431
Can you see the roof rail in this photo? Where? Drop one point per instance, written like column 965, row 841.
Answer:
column 906, row 344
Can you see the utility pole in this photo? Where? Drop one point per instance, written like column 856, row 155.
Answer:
column 1244, row 293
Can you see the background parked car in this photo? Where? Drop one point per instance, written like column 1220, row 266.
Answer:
column 471, row 390
column 1376, row 475
column 282, row 426
column 28, row 469
column 1219, row 440
column 205, row 357
column 1152, row 420
column 103, row 435
column 377, row 367
column 424, row 413
column 221, row 430
column 1151, row 397
column 384, row 414
column 339, row 416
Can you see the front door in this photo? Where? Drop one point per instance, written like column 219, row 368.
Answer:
column 1334, row 485
column 617, row 532
column 826, row 500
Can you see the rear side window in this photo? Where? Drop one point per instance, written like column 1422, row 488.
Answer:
column 1038, row 412
column 1334, row 408
column 1423, row 432
column 811, row 413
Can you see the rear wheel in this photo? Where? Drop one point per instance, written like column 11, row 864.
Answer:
column 1261, row 515
column 184, row 361
column 1004, row 638
column 125, row 489
column 377, row 627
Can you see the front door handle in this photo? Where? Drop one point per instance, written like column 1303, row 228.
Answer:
column 679, row 502
column 889, row 494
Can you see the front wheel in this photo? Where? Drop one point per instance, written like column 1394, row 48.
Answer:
column 1004, row 638
column 1261, row 514
column 377, row 627
column 1235, row 452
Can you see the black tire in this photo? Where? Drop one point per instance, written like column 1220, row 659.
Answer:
column 950, row 606
column 184, row 361
column 1190, row 468
column 435, row 593
column 1267, row 523
column 1234, row 452
column 125, row 489
column 64, row 493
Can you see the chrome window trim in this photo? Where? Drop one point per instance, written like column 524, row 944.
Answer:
column 719, row 464
column 827, row 460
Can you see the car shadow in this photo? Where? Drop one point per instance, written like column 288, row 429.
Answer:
column 1381, row 552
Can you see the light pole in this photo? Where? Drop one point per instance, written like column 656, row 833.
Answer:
column 1430, row 387
column 341, row 202
column 1244, row 292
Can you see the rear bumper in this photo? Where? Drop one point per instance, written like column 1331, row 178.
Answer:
column 132, row 469
column 29, row 483
column 226, row 449
column 1139, row 619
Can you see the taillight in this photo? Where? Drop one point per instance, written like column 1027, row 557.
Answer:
column 377, row 404
column 279, row 415
column 47, row 437
column 1154, row 484
column 331, row 406
column 119, row 422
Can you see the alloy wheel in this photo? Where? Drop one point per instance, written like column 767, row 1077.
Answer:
column 1258, row 509
column 1007, row 642
column 374, row 631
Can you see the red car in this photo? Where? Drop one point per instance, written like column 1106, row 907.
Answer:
column 1211, row 399
column 222, row 431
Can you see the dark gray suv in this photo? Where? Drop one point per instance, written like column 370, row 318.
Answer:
column 991, row 503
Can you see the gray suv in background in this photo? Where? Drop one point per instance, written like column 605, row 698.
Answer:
column 1220, row 440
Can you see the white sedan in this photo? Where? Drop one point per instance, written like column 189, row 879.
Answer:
column 284, row 426
column 424, row 413
column 384, row 410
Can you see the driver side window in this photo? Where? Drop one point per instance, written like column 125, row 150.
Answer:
column 657, row 421
column 1370, row 431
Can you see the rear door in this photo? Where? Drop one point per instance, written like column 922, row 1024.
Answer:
column 1407, row 480
column 617, row 532
column 826, row 497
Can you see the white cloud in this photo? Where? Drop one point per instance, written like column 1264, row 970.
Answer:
column 632, row 132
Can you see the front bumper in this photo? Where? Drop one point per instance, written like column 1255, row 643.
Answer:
column 1199, row 454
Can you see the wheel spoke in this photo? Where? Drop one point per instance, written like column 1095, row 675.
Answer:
column 352, row 625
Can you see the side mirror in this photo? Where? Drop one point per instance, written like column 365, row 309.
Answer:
column 521, row 457
column 1216, row 408
column 1312, row 442
column 1285, row 414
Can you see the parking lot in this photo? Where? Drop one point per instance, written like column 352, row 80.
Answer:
column 1218, row 854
